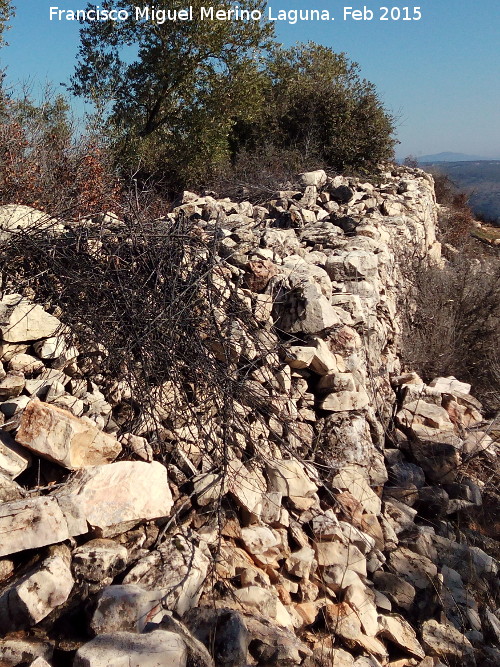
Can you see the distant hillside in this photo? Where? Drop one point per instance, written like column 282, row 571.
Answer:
column 449, row 157
column 480, row 178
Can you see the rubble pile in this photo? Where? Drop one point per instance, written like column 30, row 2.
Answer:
column 326, row 534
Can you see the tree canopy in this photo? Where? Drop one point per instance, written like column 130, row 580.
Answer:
column 317, row 104
column 172, row 87
column 6, row 12
column 189, row 96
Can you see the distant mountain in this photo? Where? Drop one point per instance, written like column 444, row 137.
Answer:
column 450, row 157
column 479, row 178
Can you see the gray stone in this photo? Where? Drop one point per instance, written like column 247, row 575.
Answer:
column 197, row 654
column 30, row 599
column 223, row 632
column 19, row 651
column 399, row 591
column 125, row 649
column 177, row 568
column 21, row 320
column 444, row 641
column 99, row 560
column 127, row 608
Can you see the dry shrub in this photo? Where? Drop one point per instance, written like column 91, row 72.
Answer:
column 44, row 166
column 257, row 175
column 153, row 308
column 453, row 326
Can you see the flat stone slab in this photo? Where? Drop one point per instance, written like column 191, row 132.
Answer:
column 126, row 649
column 37, row 522
column 120, row 492
column 59, row 436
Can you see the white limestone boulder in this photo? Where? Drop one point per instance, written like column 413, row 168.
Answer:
column 21, row 320
column 399, row 631
column 177, row 568
column 99, row 560
column 159, row 648
column 447, row 643
column 19, row 218
column 121, row 492
column 125, row 608
column 290, row 478
column 353, row 479
column 30, row 599
column 59, row 436
column 36, row 522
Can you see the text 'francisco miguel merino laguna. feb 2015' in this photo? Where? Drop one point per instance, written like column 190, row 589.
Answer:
column 160, row 15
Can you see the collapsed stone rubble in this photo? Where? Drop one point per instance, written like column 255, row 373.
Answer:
column 325, row 535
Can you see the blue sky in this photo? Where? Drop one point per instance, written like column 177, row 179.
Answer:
column 440, row 76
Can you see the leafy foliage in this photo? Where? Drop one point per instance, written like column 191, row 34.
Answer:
column 187, row 98
column 6, row 13
column 317, row 103
column 173, row 89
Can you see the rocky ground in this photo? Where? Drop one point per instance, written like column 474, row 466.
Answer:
column 317, row 521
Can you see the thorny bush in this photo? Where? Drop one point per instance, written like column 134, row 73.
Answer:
column 155, row 314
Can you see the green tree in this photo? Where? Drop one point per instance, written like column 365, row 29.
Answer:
column 317, row 104
column 170, row 92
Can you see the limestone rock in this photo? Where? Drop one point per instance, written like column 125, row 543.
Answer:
column 99, row 560
column 256, row 598
column 9, row 490
column 137, row 445
column 30, row 599
column 300, row 356
column 361, row 599
column 316, row 178
column 13, row 461
column 345, row 623
column 197, row 654
column 177, row 568
column 61, row 437
column 16, row 217
column 445, row 642
column 263, row 544
column 126, row 608
column 353, row 480
column 37, row 522
column 21, row 320
column 336, row 553
column 39, row 662
column 18, row 651
column 428, row 414
column 126, row 491
column 247, row 485
column 25, row 363
column 223, row 631
column 290, row 479
column 344, row 401
column 399, row 591
column 125, row 649
column 418, row 570
column 400, row 632
column 450, row 385
column 12, row 385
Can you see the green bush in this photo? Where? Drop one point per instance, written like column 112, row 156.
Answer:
column 317, row 104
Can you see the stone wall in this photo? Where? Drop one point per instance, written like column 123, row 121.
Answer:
column 323, row 532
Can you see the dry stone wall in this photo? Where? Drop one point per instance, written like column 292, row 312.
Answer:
column 324, row 534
